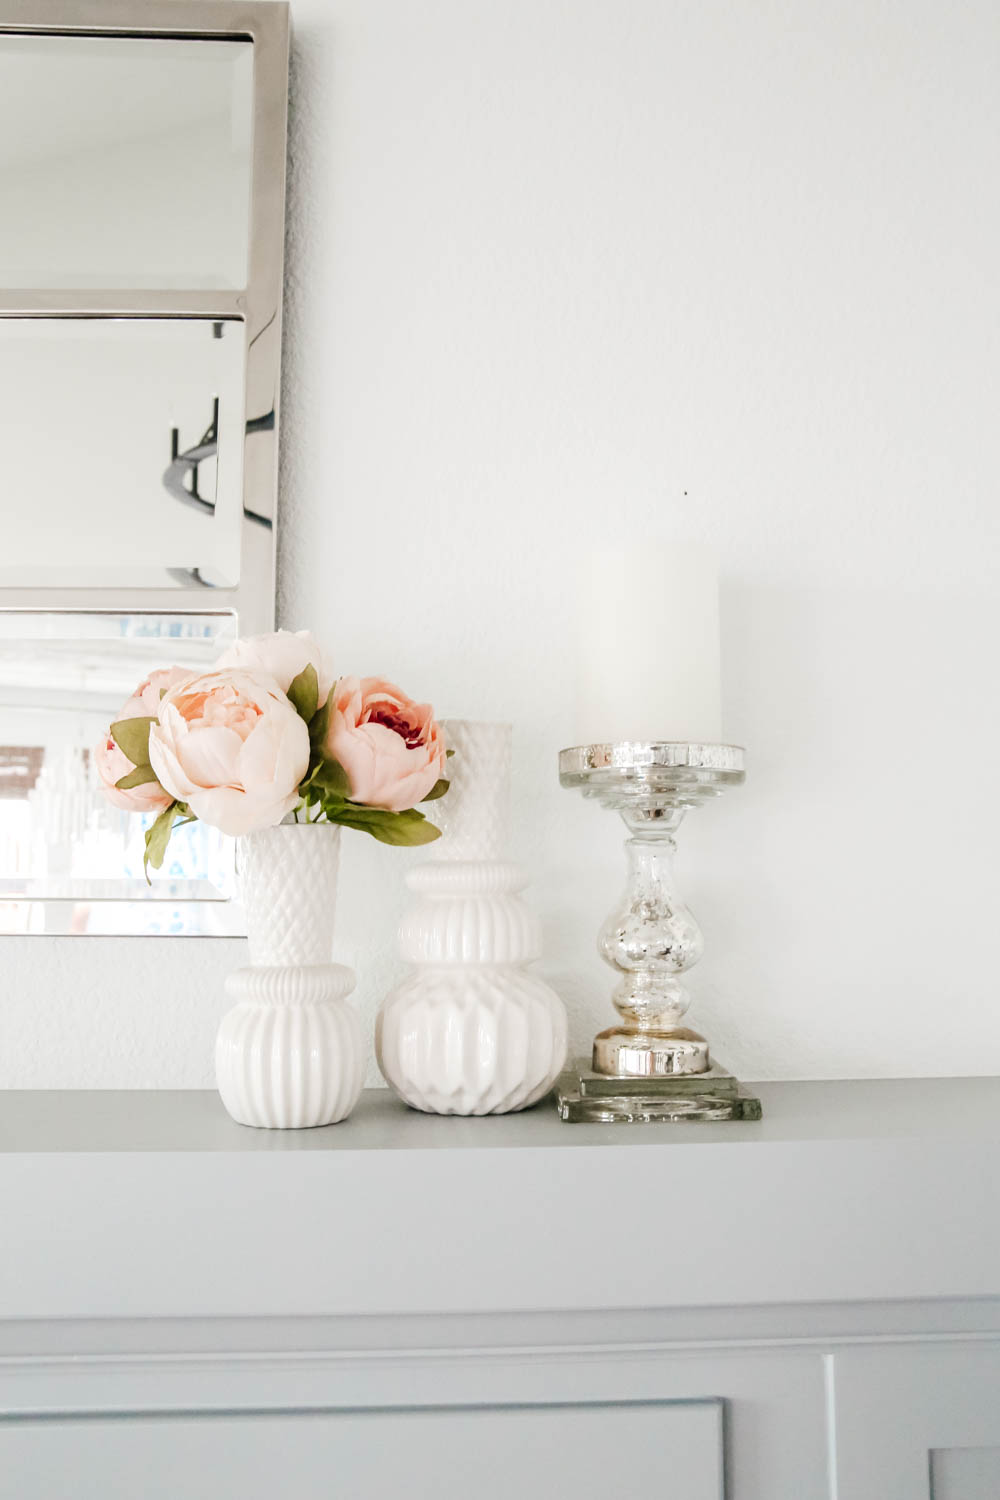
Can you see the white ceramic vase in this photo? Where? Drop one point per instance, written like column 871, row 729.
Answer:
column 290, row 1053
column 471, row 1032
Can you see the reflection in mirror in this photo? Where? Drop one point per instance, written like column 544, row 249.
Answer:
column 127, row 471
column 124, row 161
column 69, row 861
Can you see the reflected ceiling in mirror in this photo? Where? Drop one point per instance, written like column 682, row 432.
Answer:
column 128, row 469
column 124, row 161
column 69, row 860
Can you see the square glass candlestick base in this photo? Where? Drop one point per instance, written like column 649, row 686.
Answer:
column 583, row 1096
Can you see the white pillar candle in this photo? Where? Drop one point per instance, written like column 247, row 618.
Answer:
column 650, row 645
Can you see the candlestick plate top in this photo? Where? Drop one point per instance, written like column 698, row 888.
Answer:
column 634, row 772
column 648, row 755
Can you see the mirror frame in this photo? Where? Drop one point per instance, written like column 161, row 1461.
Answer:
column 265, row 23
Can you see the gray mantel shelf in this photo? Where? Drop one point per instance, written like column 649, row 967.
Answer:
column 152, row 1204
column 807, row 1308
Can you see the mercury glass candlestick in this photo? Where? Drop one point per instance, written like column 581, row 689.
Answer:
column 649, row 1066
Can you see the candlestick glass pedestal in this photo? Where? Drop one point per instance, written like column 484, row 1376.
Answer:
column 649, row 1066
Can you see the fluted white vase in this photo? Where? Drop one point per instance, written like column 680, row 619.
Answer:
column 290, row 1053
column 471, row 1031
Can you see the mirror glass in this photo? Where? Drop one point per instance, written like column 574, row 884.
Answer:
column 69, row 860
column 124, row 162
column 127, row 470
column 142, row 178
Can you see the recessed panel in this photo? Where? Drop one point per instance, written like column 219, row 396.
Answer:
column 965, row 1474
column 124, row 162
column 123, row 454
column 671, row 1450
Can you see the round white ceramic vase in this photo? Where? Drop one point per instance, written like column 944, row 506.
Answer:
column 290, row 1053
column 471, row 1032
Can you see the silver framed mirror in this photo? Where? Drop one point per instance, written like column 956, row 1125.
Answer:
column 142, row 172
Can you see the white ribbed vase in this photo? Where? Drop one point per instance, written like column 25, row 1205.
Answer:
column 290, row 1053
column 470, row 1032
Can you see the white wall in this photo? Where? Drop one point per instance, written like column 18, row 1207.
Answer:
column 565, row 269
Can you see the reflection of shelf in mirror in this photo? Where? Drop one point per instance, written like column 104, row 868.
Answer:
column 67, row 627
column 62, row 661
column 123, row 918
column 54, row 889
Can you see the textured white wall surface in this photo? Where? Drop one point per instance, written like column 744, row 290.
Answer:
column 566, row 269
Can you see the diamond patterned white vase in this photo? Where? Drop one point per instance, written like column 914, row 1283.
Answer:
column 471, row 1032
column 290, row 1053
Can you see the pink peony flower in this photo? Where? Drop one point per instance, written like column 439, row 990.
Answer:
column 282, row 655
column 110, row 759
column 391, row 749
column 230, row 745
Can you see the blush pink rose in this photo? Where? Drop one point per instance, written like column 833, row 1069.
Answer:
column 282, row 655
column 232, row 747
column 110, row 759
column 391, row 749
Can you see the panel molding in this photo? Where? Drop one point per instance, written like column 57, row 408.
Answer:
column 811, row 1327
column 776, row 1445
column 894, row 1407
column 499, row 1449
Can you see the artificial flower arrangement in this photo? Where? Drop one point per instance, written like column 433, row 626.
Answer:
column 269, row 734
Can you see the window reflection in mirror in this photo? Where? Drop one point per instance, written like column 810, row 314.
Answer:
column 127, row 470
column 124, row 162
column 69, row 860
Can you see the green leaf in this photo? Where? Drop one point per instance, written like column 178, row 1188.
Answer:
column 404, row 829
column 404, row 835
column 449, row 754
column 157, row 839
column 437, row 790
column 303, row 690
column 307, row 779
column 139, row 777
column 132, row 736
column 331, row 779
column 363, row 814
column 320, row 725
